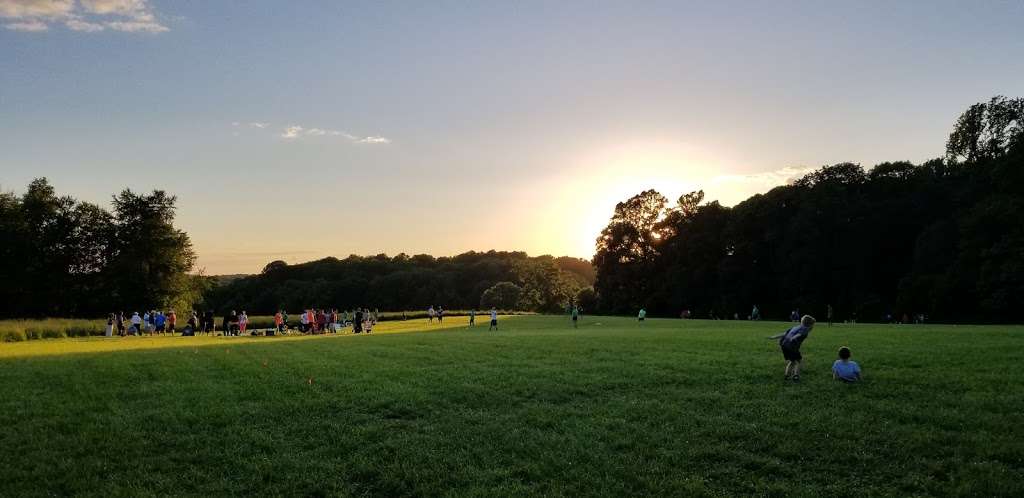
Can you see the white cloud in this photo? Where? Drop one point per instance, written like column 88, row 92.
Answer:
column 292, row 132
column 89, row 16
column 76, row 24
column 119, row 7
column 137, row 26
column 24, row 9
column 295, row 132
column 31, row 25
column 766, row 178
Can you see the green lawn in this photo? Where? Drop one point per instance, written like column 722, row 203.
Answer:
column 671, row 408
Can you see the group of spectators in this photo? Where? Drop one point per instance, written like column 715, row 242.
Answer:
column 311, row 321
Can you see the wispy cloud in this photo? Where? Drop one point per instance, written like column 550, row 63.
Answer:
column 294, row 132
column 87, row 16
column 77, row 24
column 30, row 25
column 256, row 124
column 766, row 178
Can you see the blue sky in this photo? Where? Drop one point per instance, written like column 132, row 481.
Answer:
column 441, row 127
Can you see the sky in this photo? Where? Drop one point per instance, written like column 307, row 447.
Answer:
column 299, row 130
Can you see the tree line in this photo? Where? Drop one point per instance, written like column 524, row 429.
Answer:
column 944, row 238
column 506, row 280
column 63, row 257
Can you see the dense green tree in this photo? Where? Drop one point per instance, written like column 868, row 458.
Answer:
column 402, row 282
column 503, row 296
column 63, row 257
column 944, row 238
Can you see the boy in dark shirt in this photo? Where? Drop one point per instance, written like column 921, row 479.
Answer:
column 789, row 343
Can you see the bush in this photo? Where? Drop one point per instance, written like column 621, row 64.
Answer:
column 48, row 333
column 32, row 333
column 12, row 333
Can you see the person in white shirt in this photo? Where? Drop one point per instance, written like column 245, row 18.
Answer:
column 494, row 319
column 430, row 314
column 243, row 322
column 137, row 323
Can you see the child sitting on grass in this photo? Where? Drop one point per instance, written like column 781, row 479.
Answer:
column 844, row 368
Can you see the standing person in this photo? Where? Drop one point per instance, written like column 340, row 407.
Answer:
column 208, row 322
column 136, row 322
column 755, row 314
column 233, row 325
column 284, row 317
column 192, row 325
column 172, row 321
column 120, row 323
column 110, row 325
column 440, row 315
column 147, row 321
column 357, row 321
column 225, row 324
column 243, row 322
column 430, row 315
column 830, row 315
column 304, row 321
column 376, row 315
column 575, row 317
column 641, row 316
column 494, row 319
column 472, row 317
column 789, row 343
column 279, row 321
column 160, row 322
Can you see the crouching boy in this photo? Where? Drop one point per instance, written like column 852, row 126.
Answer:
column 790, row 341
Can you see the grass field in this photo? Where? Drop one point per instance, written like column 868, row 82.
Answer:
column 613, row 409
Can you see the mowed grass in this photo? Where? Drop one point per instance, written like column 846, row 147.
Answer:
column 683, row 408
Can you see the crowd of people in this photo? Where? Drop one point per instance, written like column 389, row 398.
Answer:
column 233, row 323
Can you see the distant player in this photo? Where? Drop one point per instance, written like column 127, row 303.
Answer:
column 357, row 321
column 641, row 316
column 829, row 315
column 494, row 320
column 790, row 341
column 844, row 368
column 575, row 317
column 472, row 317
column 430, row 314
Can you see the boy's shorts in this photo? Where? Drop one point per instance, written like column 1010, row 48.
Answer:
column 494, row 323
column 791, row 354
